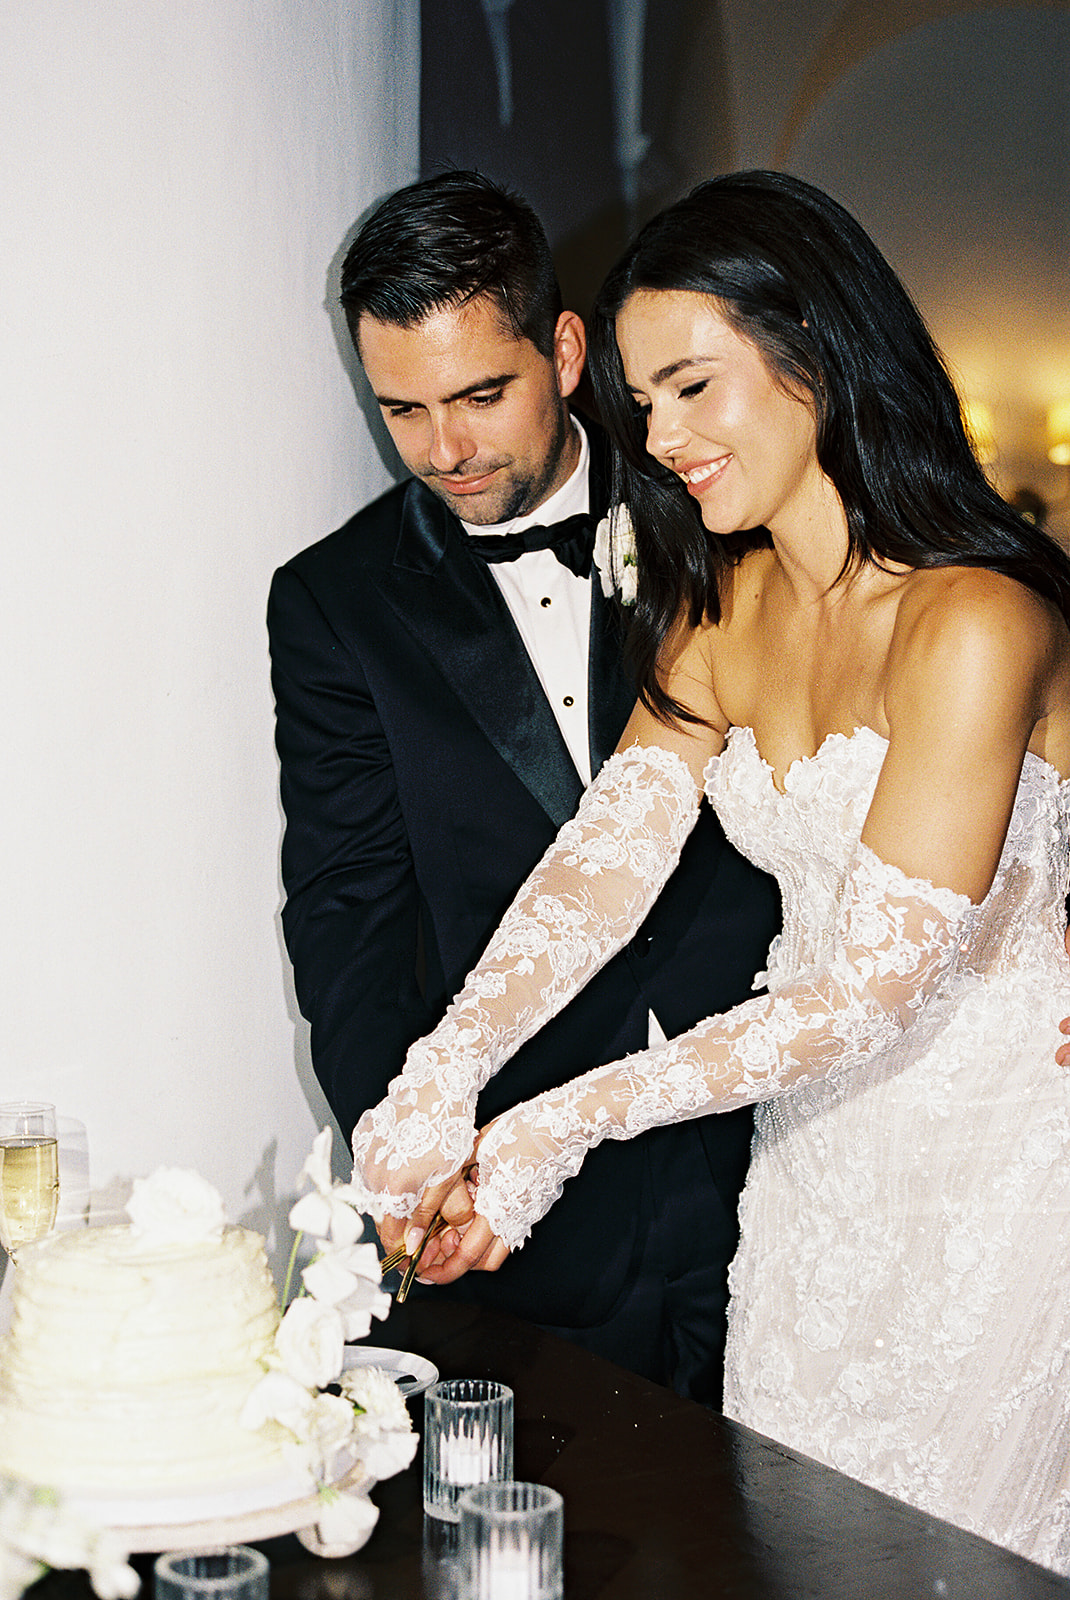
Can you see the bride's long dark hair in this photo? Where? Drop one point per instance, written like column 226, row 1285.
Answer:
column 794, row 272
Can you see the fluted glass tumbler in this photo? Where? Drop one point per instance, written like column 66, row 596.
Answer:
column 510, row 1543
column 233, row 1572
column 468, row 1439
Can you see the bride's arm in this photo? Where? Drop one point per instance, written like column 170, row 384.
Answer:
column 581, row 904
column 969, row 681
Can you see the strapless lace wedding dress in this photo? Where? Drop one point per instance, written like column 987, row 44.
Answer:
column 901, row 1296
column 900, row 1299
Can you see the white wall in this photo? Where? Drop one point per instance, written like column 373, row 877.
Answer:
column 178, row 175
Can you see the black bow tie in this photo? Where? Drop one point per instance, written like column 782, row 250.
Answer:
column 572, row 542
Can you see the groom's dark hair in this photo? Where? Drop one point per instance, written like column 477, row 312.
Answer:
column 447, row 240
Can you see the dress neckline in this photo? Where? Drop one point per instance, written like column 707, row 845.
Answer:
column 801, row 763
column 834, row 740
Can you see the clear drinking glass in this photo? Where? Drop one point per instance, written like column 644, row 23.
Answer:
column 510, row 1543
column 234, row 1572
column 29, row 1172
column 468, row 1439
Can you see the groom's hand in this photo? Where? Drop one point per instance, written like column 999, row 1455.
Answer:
column 453, row 1198
column 477, row 1249
column 468, row 1245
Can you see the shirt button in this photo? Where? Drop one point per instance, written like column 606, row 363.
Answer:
column 568, row 700
column 546, row 601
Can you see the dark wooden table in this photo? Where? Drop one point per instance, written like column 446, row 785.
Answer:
column 664, row 1500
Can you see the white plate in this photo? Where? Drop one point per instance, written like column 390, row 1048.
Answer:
column 412, row 1374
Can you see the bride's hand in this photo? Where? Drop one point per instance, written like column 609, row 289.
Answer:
column 451, row 1197
column 409, row 1149
column 469, row 1245
column 473, row 1248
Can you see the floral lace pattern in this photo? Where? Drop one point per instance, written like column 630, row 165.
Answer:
column 581, row 903
column 893, row 941
column 899, row 1298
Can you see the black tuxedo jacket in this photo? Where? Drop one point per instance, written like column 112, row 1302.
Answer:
column 423, row 774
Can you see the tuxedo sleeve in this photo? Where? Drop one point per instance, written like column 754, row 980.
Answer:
column 351, row 919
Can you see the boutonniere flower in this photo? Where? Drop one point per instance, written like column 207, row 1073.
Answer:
column 614, row 555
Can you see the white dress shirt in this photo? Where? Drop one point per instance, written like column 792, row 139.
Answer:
column 552, row 610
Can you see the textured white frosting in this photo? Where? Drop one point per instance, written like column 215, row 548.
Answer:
column 128, row 1360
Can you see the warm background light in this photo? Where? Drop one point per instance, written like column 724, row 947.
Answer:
column 981, row 429
column 1059, row 433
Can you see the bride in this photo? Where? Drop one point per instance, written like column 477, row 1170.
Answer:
column 860, row 655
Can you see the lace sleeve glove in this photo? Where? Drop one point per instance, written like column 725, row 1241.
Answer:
column 582, row 902
column 896, row 940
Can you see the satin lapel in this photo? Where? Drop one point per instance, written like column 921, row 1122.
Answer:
column 610, row 696
column 446, row 597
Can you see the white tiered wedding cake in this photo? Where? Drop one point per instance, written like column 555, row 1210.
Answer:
column 129, row 1359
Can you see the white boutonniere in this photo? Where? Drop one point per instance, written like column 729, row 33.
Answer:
column 614, row 555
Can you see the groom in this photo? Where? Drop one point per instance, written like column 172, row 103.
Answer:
column 447, row 679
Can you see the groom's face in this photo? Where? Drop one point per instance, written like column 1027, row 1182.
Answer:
column 478, row 414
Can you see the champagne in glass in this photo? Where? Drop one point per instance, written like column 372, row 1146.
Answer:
column 29, row 1172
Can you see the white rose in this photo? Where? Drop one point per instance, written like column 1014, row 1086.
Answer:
column 345, row 1520
column 311, row 1342
column 175, row 1206
column 383, row 1433
column 614, row 554
column 603, row 556
column 329, row 1431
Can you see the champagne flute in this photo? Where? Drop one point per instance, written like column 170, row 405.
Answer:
column 29, row 1172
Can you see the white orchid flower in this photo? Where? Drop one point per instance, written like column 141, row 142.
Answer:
column 278, row 1397
column 329, row 1212
column 346, row 1519
column 110, row 1573
column 38, row 1531
column 354, row 1294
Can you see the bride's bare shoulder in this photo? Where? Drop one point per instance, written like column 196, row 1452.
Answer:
column 971, row 609
column 979, row 640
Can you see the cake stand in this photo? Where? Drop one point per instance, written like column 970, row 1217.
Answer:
column 258, row 1508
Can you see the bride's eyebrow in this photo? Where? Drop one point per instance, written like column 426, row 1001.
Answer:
column 682, row 365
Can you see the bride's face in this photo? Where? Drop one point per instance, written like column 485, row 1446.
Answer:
column 717, row 415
